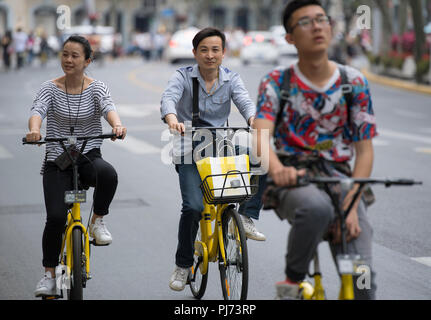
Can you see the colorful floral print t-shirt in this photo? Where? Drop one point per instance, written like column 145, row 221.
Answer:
column 315, row 120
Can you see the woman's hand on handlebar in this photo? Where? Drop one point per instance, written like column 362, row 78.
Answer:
column 286, row 176
column 33, row 136
column 120, row 132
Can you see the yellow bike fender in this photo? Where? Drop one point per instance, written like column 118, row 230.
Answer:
column 201, row 250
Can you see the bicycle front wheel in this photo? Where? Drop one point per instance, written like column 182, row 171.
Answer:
column 234, row 274
column 76, row 290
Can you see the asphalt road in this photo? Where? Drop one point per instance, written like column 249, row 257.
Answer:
column 144, row 214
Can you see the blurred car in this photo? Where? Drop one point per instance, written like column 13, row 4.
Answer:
column 180, row 46
column 101, row 38
column 259, row 46
column 284, row 48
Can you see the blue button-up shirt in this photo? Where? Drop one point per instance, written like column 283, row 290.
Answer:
column 214, row 108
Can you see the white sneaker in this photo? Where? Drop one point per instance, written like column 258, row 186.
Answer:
column 46, row 286
column 99, row 232
column 251, row 230
column 179, row 278
column 288, row 291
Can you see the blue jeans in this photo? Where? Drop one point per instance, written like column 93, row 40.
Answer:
column 192, row 208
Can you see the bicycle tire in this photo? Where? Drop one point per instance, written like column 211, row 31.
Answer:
column 198, row 281
column 234, row 275
column 76, row 290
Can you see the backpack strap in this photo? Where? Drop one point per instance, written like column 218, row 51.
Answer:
column 284, row 96
column 347, row 90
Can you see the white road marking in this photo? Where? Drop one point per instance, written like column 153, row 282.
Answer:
column 377, row 142
column 423, row 150
column 424, row 260
column 410, row 114
column 136, row 110
column 4, row 154
column 137, row 146
column 404, row 136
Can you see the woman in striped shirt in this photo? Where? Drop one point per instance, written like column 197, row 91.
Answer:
column 73, row 105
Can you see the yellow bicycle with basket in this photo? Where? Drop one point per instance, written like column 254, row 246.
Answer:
column 226, row 182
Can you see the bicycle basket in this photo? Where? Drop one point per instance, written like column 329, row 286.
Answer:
column 226, row 179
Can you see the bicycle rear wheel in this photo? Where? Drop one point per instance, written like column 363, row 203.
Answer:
column 198, row 281
column 234, row 275
column 76, row 290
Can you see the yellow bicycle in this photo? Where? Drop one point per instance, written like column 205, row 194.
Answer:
column 73, row 270
column 347, row 265
column 221, row 237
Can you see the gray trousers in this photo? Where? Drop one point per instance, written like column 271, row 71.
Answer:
column 310, row 212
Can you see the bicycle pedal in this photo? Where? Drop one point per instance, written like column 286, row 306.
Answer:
column 94, row 243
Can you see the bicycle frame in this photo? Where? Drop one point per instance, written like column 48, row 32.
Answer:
column 212, row 240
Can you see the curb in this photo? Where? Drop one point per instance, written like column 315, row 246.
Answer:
column 405, row 85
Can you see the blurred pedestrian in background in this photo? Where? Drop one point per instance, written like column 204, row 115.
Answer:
column 6, row 43
column 29, row 46
column 160, row 41
column 44, row 50
column 145, row 44
column 20, row 41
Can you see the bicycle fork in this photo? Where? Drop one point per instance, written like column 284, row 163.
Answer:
column 317, row 292
column 74, row 221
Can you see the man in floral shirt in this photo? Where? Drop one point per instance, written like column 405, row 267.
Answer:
column 316, row 124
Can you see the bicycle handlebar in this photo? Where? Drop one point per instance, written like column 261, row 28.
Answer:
column 63, row 139
column 304, row 181
column 217, row 128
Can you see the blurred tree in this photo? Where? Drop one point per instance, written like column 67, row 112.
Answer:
column 387, row 30
column 402, row 16
column 418, row 23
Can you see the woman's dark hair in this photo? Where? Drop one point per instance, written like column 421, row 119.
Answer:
column 293, row 6
column 88, row 52
column 208, row 32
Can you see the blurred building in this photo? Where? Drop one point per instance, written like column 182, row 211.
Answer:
column 127, row 16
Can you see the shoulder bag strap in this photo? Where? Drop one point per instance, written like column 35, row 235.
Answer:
column 195, row 120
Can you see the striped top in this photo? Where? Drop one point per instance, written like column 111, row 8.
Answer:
column 51, row 103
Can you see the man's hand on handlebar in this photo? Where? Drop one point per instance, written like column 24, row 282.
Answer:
column 286, row 176
column 173, row 124
column 177, row 127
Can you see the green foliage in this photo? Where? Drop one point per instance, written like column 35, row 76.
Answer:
column 422, row 67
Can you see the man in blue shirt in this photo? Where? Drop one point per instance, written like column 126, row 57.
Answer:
column 217, row 86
